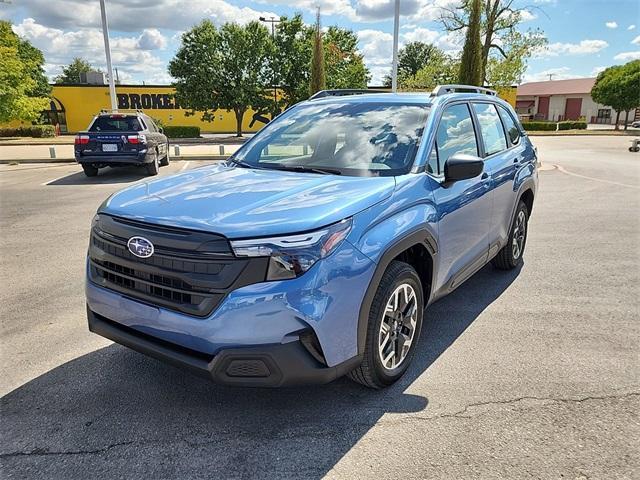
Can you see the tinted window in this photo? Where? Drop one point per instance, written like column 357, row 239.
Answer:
column 491, row 128
column 455, row 135
column 376, row 138
column 510, row 125
column 116, row 123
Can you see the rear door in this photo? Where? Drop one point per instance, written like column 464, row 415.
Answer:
column 464, row 207
column 155, row 139
column 502, row 160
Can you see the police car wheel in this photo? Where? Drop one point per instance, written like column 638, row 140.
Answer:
column 154, row 166
column 89, row 170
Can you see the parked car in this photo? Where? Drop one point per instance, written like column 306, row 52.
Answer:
column 121, row 139
column 313, row 252
column 636, row 124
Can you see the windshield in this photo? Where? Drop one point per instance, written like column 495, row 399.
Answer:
column 345, row 138
column 115, row 123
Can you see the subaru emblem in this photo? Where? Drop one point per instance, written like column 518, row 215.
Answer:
column 140, row 247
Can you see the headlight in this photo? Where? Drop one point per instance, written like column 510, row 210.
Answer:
column 293, row 255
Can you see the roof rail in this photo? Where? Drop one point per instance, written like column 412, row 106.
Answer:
column 444, row 89
column 118, row 110
column 342, row 92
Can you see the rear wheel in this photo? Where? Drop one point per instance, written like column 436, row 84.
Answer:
column 154, row 166
column 165, row 160
column 511, row 254
column 89, row 170
column 395, row 321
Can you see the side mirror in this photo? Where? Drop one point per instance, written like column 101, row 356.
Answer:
column 461, row 166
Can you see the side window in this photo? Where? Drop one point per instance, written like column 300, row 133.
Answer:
column 491, row 128
column 455, row 135
column 150, row 125
column 510, row 126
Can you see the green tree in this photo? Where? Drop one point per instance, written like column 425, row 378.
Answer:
column 502, row 41
column 413, row 57
column 23, row 86
column 345, row 67
column 471, row 61
column 318, row 80
column 71, row 73
column 619, row 88
column 291, row 59
column 441, row 69
column 223, row 69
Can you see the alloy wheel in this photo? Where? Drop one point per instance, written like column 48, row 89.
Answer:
column 519, row 233
column 398, row 326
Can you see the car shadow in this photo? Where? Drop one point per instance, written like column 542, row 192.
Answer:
column 114, row 413
column 106, row 176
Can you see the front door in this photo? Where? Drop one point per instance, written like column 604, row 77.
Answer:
column 543, row 108
column 464, row 207
column 573, row 109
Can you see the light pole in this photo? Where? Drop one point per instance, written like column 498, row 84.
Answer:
column 273, row 21
column 394, row 68
column 107, row 51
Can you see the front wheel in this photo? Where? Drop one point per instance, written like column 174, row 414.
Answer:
column 511, row 254
column 395, row 321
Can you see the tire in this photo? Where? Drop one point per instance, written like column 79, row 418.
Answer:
column 89, row 170
column 511, row 254
column 153, row 167
column 373, row 372
column 165, row 160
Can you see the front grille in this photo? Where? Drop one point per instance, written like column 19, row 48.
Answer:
column 190, row 272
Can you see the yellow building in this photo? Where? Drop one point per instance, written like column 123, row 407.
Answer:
column 73, row 106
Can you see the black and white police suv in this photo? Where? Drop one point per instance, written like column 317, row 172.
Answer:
column 119, row 139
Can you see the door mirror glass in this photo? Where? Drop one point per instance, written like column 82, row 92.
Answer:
column 462, row 167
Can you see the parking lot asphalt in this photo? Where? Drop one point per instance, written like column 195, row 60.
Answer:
column 525, row 374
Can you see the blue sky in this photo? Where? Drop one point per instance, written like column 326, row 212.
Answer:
column 584, row 35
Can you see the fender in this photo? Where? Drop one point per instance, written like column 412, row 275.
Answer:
column 420, row 236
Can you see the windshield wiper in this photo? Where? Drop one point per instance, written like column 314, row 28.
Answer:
column 242, row 163
column 303, row 168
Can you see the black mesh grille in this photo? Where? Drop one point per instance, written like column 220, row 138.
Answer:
column 184, row 279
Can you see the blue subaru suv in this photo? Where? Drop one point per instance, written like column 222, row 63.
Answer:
column 313, row 252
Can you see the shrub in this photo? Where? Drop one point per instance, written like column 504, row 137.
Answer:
column 571, row 125
column 178, row 131
column 35, row 131
column 539, row 126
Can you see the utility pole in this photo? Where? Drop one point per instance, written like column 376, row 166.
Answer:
column 273, row 21
column 107, row 51
column 550, row 75
column 394, row 68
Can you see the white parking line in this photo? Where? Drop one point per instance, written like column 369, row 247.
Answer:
column 56, row 179
column 184, row 167
column 602, row 180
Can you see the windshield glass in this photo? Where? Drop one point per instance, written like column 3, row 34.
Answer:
column 115, row 123
column 347, row 138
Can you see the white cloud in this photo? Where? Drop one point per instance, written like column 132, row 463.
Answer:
column 132, row 16
column 561, row 73
column 627, row 56
column 527, row 16
column 59, row 47
column 583, row 48
column 631, row 27
column 611, row 25
column 597, row 70
column 636, row 41
column 152, row 39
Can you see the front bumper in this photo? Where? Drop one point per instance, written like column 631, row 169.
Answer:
column 268, row 319
column 272, row 365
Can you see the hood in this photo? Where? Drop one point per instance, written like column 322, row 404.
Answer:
column 243, row 203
